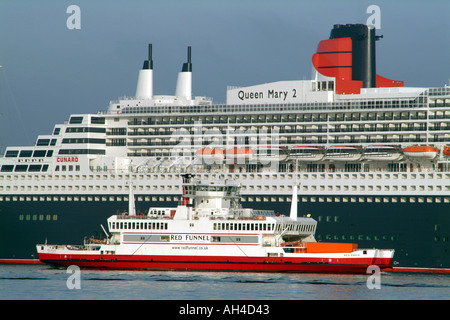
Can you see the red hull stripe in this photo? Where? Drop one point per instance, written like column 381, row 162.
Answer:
column 266, row 264
column 20, row 261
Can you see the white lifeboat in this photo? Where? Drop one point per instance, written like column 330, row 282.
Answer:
column 421, row 152
column 382, row 153
column 267, row 154
column 344, row 153
column 307, row 153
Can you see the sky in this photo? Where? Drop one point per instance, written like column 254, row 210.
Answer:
column 50, row 71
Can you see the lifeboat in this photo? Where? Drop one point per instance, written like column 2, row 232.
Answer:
column 307, row 153
column 211, row 155
column 269, row 153
column 382, row 153
column 239, row 155
column 446, row 151
column 344, row 153
column 421, row 152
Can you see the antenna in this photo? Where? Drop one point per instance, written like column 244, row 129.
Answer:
column 148, row 64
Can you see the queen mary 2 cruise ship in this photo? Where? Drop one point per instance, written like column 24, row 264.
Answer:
column 369, row 156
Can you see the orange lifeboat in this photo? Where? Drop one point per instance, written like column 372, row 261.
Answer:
column 211, row 154
column 422, row 152
column 446, row 151
column 237, row 153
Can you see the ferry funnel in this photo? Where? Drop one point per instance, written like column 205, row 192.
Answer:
column 144, row 88
column 184, row 82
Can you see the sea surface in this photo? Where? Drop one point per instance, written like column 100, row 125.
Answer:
column 41, row 282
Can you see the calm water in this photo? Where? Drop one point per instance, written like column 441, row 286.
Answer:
column 37, row 282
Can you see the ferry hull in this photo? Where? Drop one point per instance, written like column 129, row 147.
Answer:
column 218, row 263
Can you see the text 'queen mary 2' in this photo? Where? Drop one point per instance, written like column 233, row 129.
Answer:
column 371, row 156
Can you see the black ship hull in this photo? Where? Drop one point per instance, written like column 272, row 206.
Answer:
column 418, row 229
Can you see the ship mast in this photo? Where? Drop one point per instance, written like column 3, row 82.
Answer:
column 131, row 203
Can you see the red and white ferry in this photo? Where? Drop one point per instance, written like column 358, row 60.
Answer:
column 210, row 231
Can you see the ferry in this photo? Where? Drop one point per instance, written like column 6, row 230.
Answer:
column 78, row 174
column 211, row 231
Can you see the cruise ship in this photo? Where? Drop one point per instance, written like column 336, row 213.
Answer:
column 371, row 156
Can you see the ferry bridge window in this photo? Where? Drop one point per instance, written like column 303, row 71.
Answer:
column 97, row 120
column 75, row 120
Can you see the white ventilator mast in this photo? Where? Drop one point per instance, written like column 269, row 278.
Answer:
column 184, row 82
column 144, row 89
column 131, row 203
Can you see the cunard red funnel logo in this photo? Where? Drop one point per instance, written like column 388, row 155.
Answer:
column 349, row 56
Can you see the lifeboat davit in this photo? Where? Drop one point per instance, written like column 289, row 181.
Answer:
column 344, row 153
column 421, row 152
column 307, row 153
column 382, row 153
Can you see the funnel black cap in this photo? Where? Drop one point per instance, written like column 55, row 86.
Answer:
column 187, row 67
column 363, row 51
column 148, row 64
